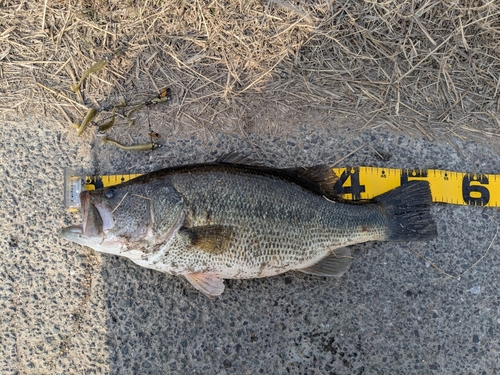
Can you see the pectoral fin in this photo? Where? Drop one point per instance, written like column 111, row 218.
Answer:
column 210, row 285
column 213, row 239
column 334, row 264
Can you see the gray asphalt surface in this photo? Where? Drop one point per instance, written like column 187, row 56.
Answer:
column 67, row 310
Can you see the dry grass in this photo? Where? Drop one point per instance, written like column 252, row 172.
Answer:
column 424, row 67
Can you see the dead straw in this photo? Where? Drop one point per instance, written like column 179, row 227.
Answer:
column 431, row 67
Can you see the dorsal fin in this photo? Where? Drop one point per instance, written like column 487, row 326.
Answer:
column 236, row 158
column 319, row 178
column 322, row 175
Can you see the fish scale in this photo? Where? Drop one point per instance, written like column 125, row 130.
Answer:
column 260, row 210
column 209, row 222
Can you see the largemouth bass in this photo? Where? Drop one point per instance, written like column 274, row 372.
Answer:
column 232, row 219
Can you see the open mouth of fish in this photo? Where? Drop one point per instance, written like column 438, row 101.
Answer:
column 97, row 218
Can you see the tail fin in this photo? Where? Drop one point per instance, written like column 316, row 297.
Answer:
column 407, row 209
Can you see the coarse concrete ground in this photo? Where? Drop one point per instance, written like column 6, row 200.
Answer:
column 67, row 310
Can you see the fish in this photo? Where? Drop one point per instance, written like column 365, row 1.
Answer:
column 91, row 113
column 94, row 68
column 136, row 147
column 105, row 126
column 236, row 219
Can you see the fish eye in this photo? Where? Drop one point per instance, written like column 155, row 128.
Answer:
column 110, row 193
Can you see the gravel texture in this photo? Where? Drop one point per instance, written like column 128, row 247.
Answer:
column 67, row 310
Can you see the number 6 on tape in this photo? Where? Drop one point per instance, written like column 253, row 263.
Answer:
column 354, row 183
column 462, row 188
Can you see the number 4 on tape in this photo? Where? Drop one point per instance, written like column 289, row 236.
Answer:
column 357, row 183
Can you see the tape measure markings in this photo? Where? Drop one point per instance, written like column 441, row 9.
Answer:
column 446, row 186
column 354, row 183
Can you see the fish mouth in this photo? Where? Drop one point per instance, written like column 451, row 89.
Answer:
column 97, row 218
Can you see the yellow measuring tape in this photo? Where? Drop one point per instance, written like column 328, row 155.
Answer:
column 354, row 184
column 446, row 186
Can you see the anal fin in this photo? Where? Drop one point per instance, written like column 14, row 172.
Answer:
column 334, row 264
column 210, row 285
